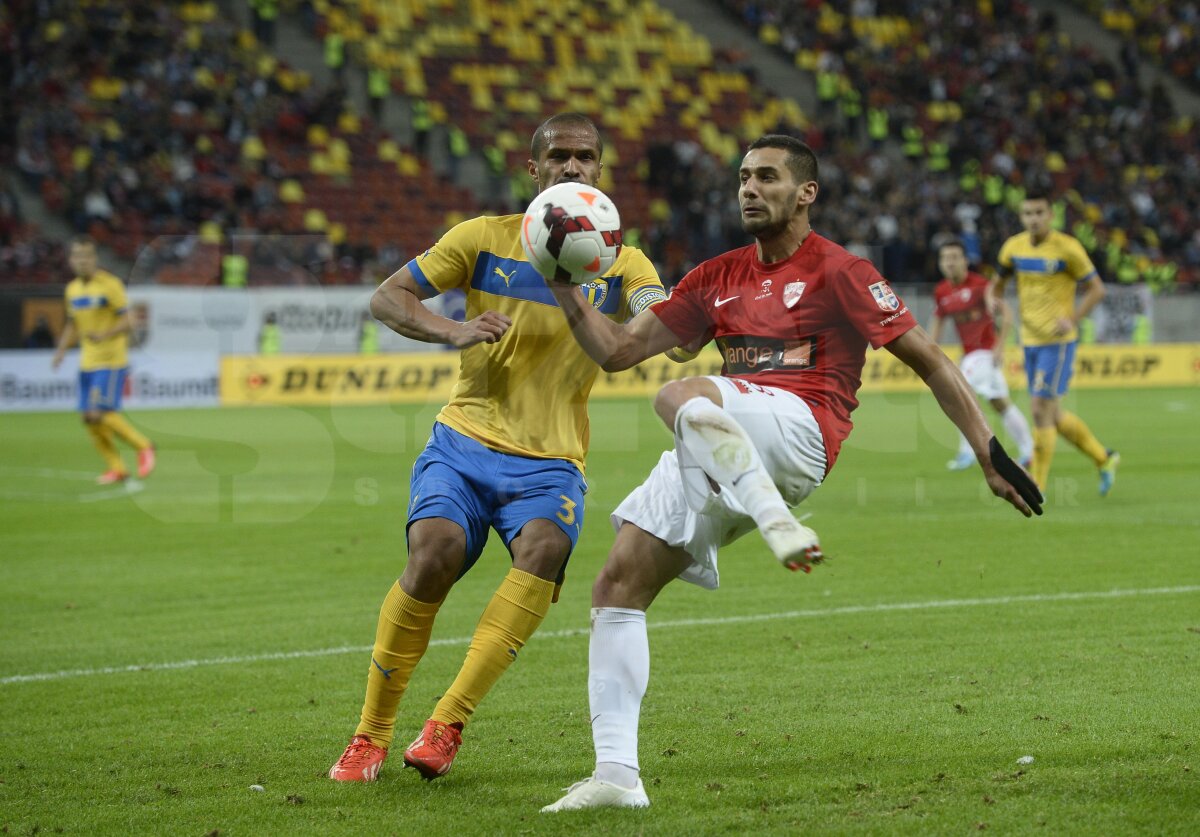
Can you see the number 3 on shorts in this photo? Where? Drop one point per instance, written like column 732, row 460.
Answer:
column 567, row 515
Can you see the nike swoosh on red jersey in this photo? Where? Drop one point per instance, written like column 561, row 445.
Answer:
column 719, row 302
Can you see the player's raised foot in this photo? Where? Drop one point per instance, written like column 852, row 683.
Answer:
column 1108, row 472
column 433, row 752
column 793, row 544
column 360, row 762
column 961, row 462
column 146, row 462
column 594, row 793
column 111, row 477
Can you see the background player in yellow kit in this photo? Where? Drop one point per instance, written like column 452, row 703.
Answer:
column 98, row 315
column 1049, row 266
column 506, row 453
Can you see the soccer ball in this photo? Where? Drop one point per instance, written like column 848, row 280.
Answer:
column 571, row 233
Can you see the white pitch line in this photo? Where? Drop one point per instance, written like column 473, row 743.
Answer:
column 130, row 486
column 51, row 473
column 676, row 623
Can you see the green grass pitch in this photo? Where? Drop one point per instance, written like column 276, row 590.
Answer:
column 163, row 650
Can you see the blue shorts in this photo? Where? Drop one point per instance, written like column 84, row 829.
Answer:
column 101, row 389
column 1048, row 368
column 459, row 479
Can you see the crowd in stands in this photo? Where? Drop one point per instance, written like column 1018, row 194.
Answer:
column 173, row 133
column 166, row 131
column 1168, row 33
column 984, row 101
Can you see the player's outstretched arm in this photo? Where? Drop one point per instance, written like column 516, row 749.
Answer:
column 613, row 346
column 397, row 304
column 957, row 401
column 65, row 341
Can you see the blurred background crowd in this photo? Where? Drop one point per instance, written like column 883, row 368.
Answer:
column 271, row 142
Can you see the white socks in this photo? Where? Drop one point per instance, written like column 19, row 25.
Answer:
column 618, row 671
column 721, row 447
column 1018, row 430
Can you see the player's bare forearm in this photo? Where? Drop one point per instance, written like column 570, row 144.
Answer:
column 935, row 330
column 398, row 306
column 958, row 402
column 613, row 346
column 1091, row 298
column 65, row 341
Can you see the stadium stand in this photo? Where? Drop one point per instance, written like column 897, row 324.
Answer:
column 169, row 132
column 162, row 130
column 984, row 99
column 675, row 113
column 1167, row 33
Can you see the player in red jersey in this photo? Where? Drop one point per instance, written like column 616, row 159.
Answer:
column 967, row 298
column 793, row 315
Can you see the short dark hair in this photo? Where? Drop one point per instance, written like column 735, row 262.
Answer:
column 573, row 119
column 1038, row 193
column 953, row 242
column 801, row 161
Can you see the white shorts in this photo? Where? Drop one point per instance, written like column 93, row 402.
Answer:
column 985, row 377
column 788, row 440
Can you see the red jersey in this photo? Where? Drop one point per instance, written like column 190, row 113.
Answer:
column 802, row 324
column 967, row 305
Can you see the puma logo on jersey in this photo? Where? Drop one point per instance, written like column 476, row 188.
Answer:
column 507, row 277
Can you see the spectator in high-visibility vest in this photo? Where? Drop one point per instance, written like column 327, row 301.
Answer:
column 265, row 13
column 335, row 53
column 914, row 141
column 379, row 87
column 458, row 147
column 235, row 270
column 877, row 126
column 368, row 335
column 269, row 339
column 422, row 124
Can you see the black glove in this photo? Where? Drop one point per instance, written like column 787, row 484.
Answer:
column 1015, row 475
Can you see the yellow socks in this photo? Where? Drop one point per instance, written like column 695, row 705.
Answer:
column 514, row 613
column 1077, row 433
column 124, row 430
column 1043, row 451
column 401, row 638
column 102, row 439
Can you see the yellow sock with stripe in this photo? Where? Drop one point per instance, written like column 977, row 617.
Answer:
column 102, row 439
column 514, row 613
column 401, row 637
column 1074, row 430
column 1044, row 439
column 124, row 431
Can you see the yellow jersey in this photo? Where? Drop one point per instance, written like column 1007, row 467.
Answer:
column 527, row 393
column 1047, row 276
column 96, row 304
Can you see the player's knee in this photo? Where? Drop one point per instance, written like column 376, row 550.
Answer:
column 677, row 393
column 91, row 418
column 433, row 566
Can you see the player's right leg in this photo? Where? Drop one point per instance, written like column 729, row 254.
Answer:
column 638, row 567
column 91, row 403
column 710, row 418
column 446, row 532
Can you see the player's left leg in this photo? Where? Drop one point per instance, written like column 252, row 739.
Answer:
column 112, row 392
column 638, row 568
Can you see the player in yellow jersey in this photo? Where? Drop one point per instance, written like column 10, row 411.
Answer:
column 98, row 315
column 1049, row 266
column 506, row 453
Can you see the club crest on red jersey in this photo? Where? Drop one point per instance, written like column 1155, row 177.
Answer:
column 792, row 292
column 884, row 297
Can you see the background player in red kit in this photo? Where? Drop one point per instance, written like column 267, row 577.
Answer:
column 793, row 315
column 967, row 298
